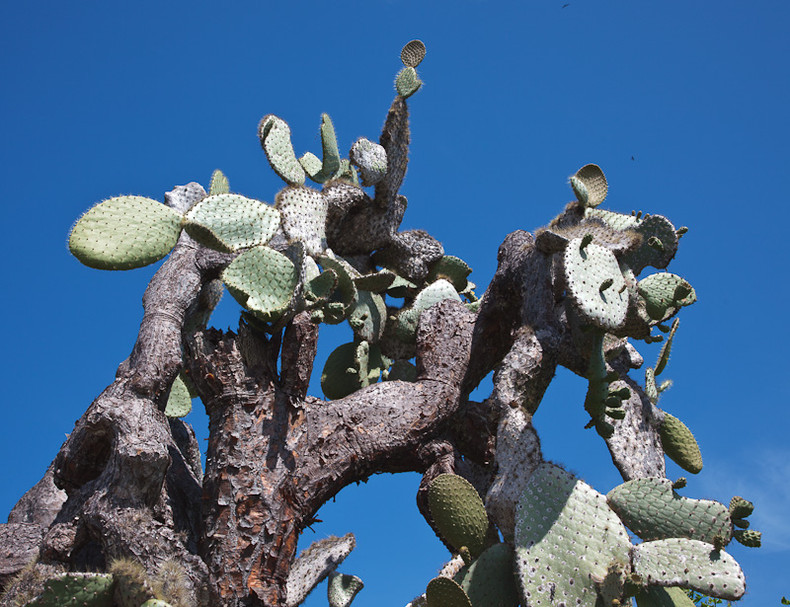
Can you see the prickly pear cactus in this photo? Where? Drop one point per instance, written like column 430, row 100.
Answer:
column 458, row 512
column 342, row 589
column 76, row 590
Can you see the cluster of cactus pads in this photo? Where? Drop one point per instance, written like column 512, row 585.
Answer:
column 337, row 254
column 334, row 252
column 571, row 545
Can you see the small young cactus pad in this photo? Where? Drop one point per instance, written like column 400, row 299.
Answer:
column 179, row 402
column 445, row 592
column 458, row 512
column 407, row 82
column 679, row 444
column 124, row 233
column 566, row 537
column 219, row 183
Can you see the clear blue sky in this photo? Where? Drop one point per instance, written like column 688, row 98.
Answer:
column 683, row 104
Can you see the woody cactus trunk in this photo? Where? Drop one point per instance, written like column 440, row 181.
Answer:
column 126, row 515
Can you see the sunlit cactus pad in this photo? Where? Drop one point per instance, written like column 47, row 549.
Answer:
column 445, row 592
column 595, row 283
column 342, row 589
column 652, row 510
column 679, row 444
column 304, row 216
column 371, row 160
column 230, row 222
column 413, row 53
column 124, row 233
column 407, row 82
column 589, row 185
column 664, row 294
column 489, row 581
column 689, row 564
column 219, row 183
column 263, row 281
column 275, row 136
column 566, row 538
column 458, row 512
column 179, row 402
column 76, row 590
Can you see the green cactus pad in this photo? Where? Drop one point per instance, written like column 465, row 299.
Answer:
column 652, row 510
column 664, row 294
column 595, row 284
column 263, row 281
column 219, row 184
column 179, row 402
column 408, row 319
column 275, row 136
column 452, row 269
column 303, row 216
column 311, row 164
column 458, row 512
column 321, row 287
column 76, row 590
column 412, row 53
column 656, row 596
column 230, row 222
column 740, row 507
column 407, row 82
column 345, row 293
column 314, row 564
column 566, row 537
column 124, row 233
column 445, row 592
column 689, row 564
column 371, row 160
column 661, row 229
column 666, row 348
column 489, row 581
column 679, row 444
column 377, row 282
column 329, row 167
column 342, row 589
column 350, row 367
column 367, row 316
column 589, row 185
column 748, row 537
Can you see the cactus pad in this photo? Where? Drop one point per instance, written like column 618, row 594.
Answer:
column 589, row 185
column 342, row 589
column 350, row 367
column 179, row 402
column 689, row 564
column 452, row 269
column 445, row 592
column 371, row 160
column 595, row 284
column 566, row 537
column 314, row 564
column 664, row 294
column 230, row 222
column 76, row 590
column 219, row 184
column 124, row 233
column 652, row 510
column 740, row 508
column 657, row 596
column 367, row 316
column 275, row 136
column 679, row 444
column 304, row 216
column 748, row 537
column 407, row 82
column 263, row 281
column 458, row 512
column 489, row 581
column 412, row 53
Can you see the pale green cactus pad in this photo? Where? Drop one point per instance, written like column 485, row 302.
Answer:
column 489, row 581
column 342, row 589
column 367, row 316
column 311, row 164
column 656, row 596
column 371, row 160
column 407, row 82
column 458, row 513
column 330, row 165
column 76, row 590
column 652, row 510
column 566, row 537
column 666, row 348
column 660, row 243
column 377, row 282
column 453, row 269
column 664, row 294
column 320, row 287
column 412, row 53
column 124, row 233
column 679, row 444
column 595, row 284
column 263, row 281
column 589, row 185
column 275, row 136
column 179, row 402
column 304, row 216
column 689, row 564
column 219, row 184
column 230, row 222
column 407, row 320
column 445, row 592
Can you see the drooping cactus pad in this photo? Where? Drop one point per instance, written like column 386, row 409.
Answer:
column 589, row 185
column 679, row 444
column 458, row 512
column 124, row 233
